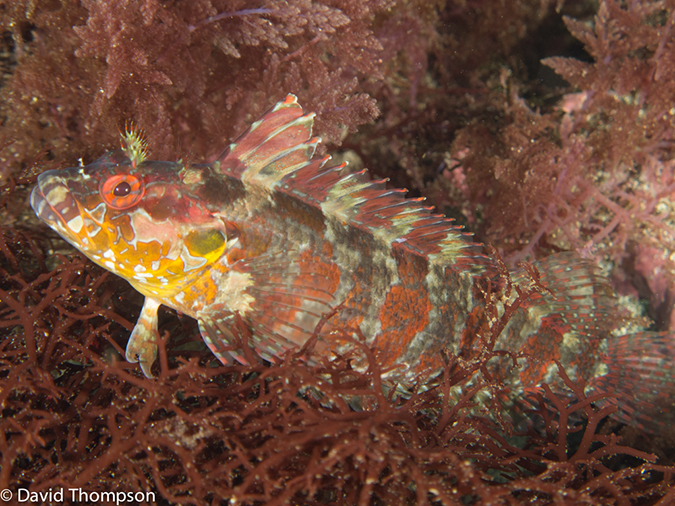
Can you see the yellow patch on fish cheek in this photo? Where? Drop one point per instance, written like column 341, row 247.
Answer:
column 156, row 258
column 143, row 255
column 150, row 251
column 203, row 243
column 107, row 238
column 100, row 243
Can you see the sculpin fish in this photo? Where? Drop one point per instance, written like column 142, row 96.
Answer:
column 279, row 238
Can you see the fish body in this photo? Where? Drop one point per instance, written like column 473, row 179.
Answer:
column 272, row 235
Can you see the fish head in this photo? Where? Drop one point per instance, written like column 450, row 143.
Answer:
column 139, row 219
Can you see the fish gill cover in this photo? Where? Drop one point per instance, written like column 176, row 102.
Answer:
column 559, row 171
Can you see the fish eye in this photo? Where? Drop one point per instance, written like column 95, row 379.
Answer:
column 122, row 191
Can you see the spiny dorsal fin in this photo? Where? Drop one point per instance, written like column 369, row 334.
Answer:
column 276, row 145
column 276, row 153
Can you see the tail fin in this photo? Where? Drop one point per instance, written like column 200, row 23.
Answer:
column 571, row 320
column 640, row 379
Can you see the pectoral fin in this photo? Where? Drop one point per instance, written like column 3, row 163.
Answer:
column 142, row 346
column 287, row 294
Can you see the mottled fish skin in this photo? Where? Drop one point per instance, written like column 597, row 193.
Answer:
column 271, row 234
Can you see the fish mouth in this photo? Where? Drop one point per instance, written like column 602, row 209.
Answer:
column 54, row 204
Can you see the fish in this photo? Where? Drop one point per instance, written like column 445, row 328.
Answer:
column 271, row 235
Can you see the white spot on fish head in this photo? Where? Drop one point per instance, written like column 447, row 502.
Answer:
column 98, row 212
column 76, row 224
column 57, row 195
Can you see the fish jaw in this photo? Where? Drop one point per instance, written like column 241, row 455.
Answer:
column 54, row 204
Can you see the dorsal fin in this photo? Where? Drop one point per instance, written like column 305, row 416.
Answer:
column 277, row 144
column 276, row 153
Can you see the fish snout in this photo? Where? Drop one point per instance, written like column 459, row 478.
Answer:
column 54, row 204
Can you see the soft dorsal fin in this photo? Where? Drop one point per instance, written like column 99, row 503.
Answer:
column 276, row 154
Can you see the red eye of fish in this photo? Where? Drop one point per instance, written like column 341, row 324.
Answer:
column 122, row 191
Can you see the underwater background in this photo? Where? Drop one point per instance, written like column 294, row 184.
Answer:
column 540, row 126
